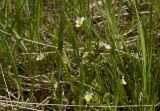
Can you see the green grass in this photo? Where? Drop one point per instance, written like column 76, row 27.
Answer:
column 47, row 63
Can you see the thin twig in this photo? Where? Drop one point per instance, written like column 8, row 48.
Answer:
column 21, row 38
column 93, row 106
column 6, row 87
column 6, row 104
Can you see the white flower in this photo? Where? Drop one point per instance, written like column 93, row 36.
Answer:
column 40, row 57
column 56, row 85
column 104, row 45
column 140, row 96
column 107, row 46
column 79, row 21
column 123, row 81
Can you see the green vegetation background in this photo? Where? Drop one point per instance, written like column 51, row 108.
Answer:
column 114, row 55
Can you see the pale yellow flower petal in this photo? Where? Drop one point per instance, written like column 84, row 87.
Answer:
column 78, row 24
column 88, row 96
